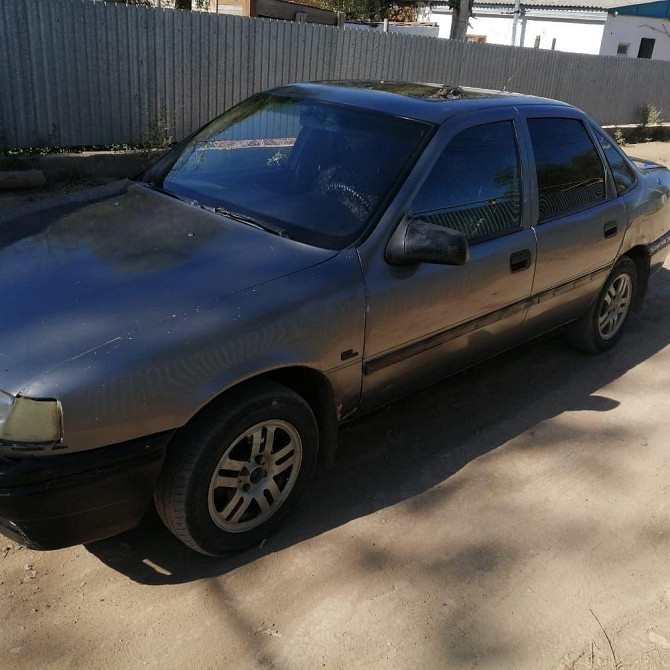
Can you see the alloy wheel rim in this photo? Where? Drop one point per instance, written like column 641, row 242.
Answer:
column 255, row 476
column 614, row 306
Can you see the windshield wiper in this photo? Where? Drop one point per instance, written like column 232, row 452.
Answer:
column 164, row 191
column 249, row 220
column 236, row 216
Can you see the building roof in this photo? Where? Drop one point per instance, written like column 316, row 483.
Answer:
column 602, row 5
column 660, row 10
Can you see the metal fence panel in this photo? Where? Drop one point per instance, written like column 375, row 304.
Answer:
column 80, row 73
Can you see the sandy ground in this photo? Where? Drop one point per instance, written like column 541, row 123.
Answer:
column 515, row 516
column 653, row 151
column 656, row 151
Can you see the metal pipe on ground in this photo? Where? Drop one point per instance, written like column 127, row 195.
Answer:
column 16, row 180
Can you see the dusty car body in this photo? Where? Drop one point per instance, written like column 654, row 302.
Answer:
column 140, row 316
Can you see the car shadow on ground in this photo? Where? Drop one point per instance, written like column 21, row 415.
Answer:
column 406, row 449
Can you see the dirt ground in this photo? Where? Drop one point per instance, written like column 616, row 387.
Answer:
column 515, row 516
column 653, row 151
column 15, row 198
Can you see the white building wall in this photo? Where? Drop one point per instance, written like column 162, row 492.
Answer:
column 630, row 30
column 498, row 30
column 583, row 38
column 574, row 37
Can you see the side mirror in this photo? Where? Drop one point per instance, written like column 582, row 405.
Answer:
column 417, row 241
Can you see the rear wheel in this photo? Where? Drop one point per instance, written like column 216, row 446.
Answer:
column 232, row 475
column 602, row 325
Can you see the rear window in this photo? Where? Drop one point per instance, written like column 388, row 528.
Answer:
column 570, row 174
column 624, row 176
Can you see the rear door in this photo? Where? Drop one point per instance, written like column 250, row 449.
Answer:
column 578, row 220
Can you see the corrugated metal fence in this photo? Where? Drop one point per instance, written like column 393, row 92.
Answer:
column 80, row 73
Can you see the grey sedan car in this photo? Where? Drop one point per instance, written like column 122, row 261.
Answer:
column 195, row 336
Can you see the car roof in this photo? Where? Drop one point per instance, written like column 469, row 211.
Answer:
column 429, row 102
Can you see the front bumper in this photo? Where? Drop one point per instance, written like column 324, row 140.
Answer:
column 51, row 502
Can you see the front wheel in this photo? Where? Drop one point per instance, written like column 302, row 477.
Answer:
column 602, row 325
column 236, row 471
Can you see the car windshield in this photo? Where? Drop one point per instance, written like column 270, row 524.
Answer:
column 318, row 172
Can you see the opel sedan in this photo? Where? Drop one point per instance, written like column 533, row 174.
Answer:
column 195, row 336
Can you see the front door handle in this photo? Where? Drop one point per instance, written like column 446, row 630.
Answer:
column 519, row 261
column 610, row 229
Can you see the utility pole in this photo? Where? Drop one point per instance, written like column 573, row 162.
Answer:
column 460, row 15
column 515, row 20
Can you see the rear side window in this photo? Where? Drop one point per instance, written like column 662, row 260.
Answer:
column 475, row 186
column 623, row 174
column 570, row 174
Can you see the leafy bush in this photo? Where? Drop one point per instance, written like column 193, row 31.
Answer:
column 374, row 10
column 636, row 134
column 649, row 116
column 619, row 137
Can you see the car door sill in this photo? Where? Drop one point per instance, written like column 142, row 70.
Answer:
column 376, row 363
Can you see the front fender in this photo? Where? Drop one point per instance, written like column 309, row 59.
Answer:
column 158, row 377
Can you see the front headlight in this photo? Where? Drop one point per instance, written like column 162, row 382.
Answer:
column 28, row 421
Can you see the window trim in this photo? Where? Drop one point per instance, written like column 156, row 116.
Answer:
column 596, row 131
column 507, row 118
column 478, row 240
column 575, row 116
column 648, row 42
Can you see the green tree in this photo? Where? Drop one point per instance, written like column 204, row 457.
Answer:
column 166, row 4
column 191, row 4
column 143, row 3
column 365, row 10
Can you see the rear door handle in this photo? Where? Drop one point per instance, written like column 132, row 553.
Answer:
column 519, row 261
column 610, row 229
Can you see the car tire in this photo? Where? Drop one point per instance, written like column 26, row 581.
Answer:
column 238, row 469
column 603, row 324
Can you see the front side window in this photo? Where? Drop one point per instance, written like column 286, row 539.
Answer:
column 624, row 176
column 475, row 185
column 319, row 172
column 570, row 174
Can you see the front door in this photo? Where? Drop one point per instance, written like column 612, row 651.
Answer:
column 425, row 321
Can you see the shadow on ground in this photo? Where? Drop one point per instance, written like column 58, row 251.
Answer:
column 400, row 452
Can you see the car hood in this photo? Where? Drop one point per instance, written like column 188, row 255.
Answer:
column 83, row 271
